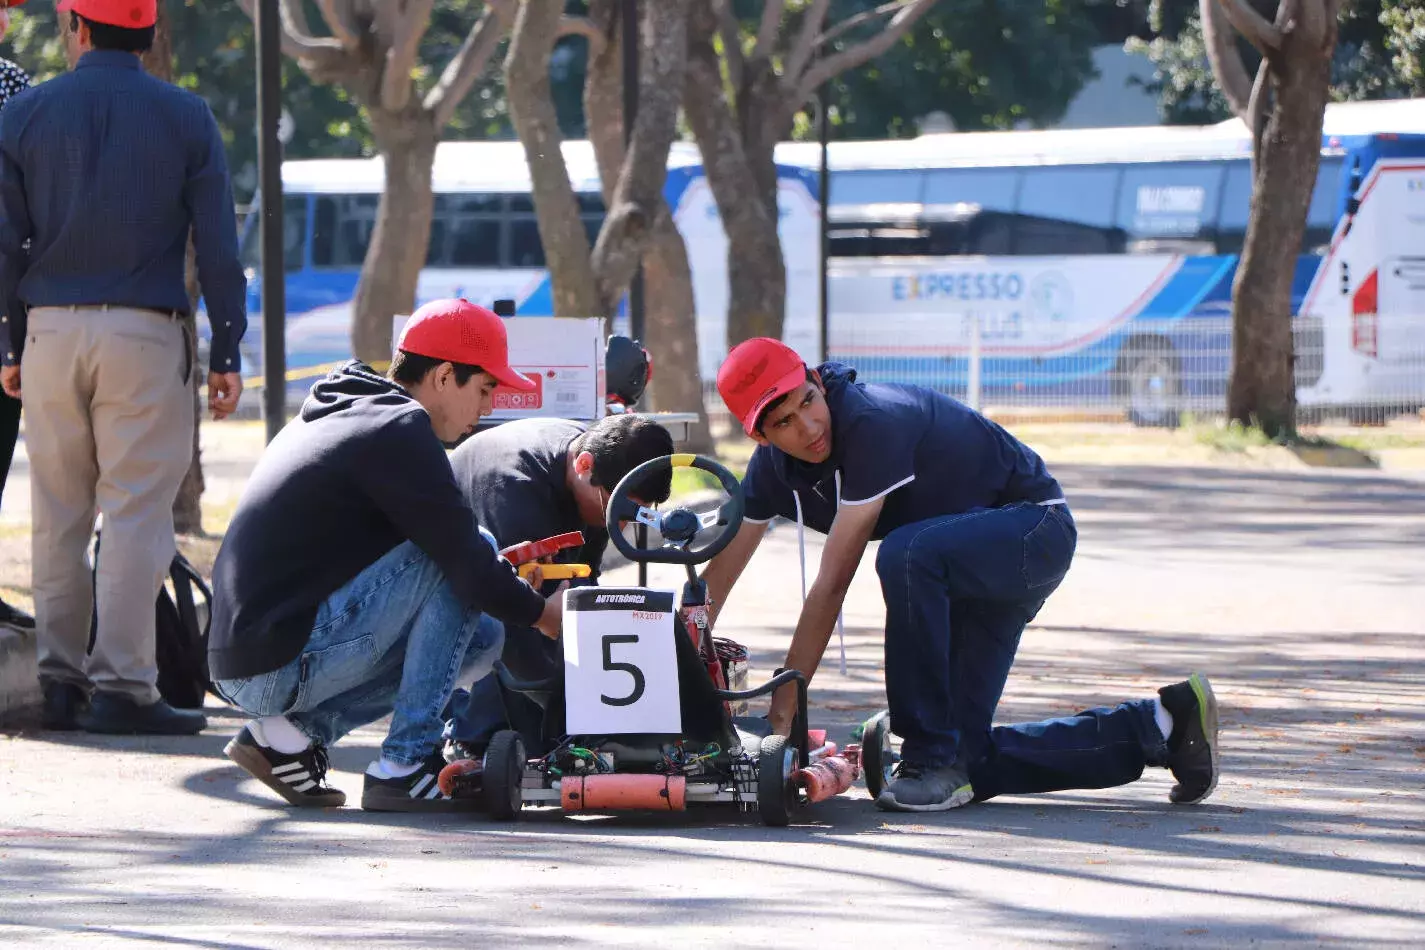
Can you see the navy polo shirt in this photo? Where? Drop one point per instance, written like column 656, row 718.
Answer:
column 925, row 453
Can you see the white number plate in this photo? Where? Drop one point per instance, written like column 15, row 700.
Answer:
column 620, row 665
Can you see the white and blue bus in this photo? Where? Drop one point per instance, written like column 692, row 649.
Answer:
column 1058, row 268
column 1093, row 267
column 485, row 244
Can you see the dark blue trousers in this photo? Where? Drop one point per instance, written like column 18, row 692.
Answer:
column 475, row 715
column 959, row 591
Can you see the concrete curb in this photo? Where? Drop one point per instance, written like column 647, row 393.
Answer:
column 19, row 677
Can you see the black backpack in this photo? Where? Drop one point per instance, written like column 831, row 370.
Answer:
column 181, row 644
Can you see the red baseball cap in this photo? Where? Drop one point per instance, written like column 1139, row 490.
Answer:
column 462, row 332
column 131, row 14
column 756, row 372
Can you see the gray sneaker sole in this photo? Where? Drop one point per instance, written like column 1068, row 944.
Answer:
column 254, row 764
column 961, row 796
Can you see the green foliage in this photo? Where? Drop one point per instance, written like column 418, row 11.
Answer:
column 1380, row 54
column 215, row 55
column 987, row 64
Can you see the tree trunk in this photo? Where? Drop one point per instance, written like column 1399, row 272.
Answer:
column 391, row 271
column 1262, row 388
column 561, row 231
column 638, row 195
column 668, row 279
column 757, row 274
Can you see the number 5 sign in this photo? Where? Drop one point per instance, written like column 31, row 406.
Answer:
column 620, row 664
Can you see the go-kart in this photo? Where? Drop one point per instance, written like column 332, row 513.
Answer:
column 650, row 711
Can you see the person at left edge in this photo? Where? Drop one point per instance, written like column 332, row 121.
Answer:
column 354, row 583
column 13, row 80
column 105, row 171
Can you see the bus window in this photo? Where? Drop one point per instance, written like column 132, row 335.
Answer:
column 1083, row 195
column 591, row 211
column 294, row 236
column 1170, row 205
column 526, row 250
column 1237, row 205
column 866, row 187
column 1055, row 237
column 345, row 223
column 472, row 228
column 1325, row 200
column 990, row 188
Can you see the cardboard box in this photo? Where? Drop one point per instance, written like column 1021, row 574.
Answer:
column 564, row 357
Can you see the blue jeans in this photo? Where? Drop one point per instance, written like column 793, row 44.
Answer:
column 959, row 591
column 393, row 641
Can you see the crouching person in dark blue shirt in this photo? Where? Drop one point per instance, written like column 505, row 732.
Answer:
column 533, row 479
column 354, row 583
column 975, row 535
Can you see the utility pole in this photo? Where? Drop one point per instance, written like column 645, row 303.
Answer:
column 269, row 166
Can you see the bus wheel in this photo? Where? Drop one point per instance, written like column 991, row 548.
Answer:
column 1152, row 383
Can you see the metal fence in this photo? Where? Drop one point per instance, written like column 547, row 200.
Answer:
column 1360, row 371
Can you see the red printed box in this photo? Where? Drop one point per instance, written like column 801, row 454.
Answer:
column 516, row 401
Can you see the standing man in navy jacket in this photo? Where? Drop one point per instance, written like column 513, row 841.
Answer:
column 975, row 535
column 105, row 170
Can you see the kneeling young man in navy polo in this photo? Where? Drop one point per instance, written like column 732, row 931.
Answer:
column 975, row 535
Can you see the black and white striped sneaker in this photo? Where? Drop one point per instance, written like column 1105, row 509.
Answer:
column 419, row 791
column 300, row 778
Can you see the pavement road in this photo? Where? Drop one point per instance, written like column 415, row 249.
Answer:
column 1302, row 595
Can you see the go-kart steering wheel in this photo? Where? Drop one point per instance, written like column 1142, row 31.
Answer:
column 680, row 526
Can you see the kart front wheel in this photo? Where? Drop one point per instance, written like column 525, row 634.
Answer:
column 504, row 775
column 776, row 795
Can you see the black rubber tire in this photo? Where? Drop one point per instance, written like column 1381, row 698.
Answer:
column 504, row 775
column 877, row 756
column 776, row 796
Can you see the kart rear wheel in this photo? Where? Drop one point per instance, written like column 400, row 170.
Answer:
column 776, row 795
column 878, row 759
column 504, row 775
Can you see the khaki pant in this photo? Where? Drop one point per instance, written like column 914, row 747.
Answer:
column 108, row 425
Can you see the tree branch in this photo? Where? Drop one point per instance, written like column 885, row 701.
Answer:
column 850, row 23
column 1226, row 61
column 410, row 26
column 1309, row 16
column 807, row 39
column 731, row 42
column 768, row 29
column 1252, row 25
column 1256, row 117
column 837, row 63
column 321, row 54
column 585, row 27
column 337, row 23
column 469, row 62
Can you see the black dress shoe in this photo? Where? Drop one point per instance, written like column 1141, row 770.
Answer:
column 114, row 714
column 63, row 704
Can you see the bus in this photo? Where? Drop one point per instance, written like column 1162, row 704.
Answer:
column 485, row 246
column 1070, row 268
column 1094, row 268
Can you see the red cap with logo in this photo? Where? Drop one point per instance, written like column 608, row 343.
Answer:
column 131, row 14
column 459, row 331
column 756, row 372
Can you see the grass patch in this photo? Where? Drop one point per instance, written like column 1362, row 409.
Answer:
column 1235, row 438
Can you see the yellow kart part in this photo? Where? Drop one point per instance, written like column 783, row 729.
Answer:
column 555, row 572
